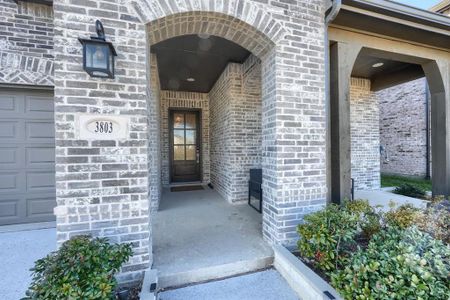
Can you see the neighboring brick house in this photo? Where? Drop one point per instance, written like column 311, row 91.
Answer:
column 203, row 91
column 405, row 129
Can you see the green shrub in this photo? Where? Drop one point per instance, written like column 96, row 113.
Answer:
column 435, row 220
column 83, row 268
column 369, row 219
column 404, row 216
column 327, row 236
column 398, row 264
column 410, row 190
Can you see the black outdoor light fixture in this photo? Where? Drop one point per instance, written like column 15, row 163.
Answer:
column 98, row 54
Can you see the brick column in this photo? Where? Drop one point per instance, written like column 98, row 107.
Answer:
column 102, row 186
column 294, row 124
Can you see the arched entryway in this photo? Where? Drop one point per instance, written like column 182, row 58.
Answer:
column 207, row 93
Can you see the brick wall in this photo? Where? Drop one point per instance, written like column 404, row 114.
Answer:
column 247, row 128
column 236, row 128
column 225, row 92
column 154, row 135
column 26, row 43
column 365, row 135
column 189, row 100
column 403, row 128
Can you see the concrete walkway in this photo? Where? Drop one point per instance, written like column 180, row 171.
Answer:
column 384, row 196
column 18, row 252
column 198, row 236
column 266, row 285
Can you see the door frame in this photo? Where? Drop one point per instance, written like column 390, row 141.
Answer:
column 199, row 139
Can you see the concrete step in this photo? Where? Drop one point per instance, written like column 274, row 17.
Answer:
column 213, row 272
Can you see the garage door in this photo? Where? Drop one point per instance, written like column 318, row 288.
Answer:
column 27, row 156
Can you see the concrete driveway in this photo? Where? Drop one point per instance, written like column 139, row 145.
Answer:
column 18, row 252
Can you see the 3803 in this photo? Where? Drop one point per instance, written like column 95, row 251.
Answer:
column 103, row 127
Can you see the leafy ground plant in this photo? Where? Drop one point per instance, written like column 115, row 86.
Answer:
column 398, row 264
column 404, row 216
column 370, row 254
column 83, row 268
column 435, row 220
column 327, row 235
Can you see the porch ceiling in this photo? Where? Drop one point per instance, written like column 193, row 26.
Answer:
column 191, row 56
column 390, row 73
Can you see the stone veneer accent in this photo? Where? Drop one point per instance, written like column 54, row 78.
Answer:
column 365, row 135
column 181, row 100
column 236, row 128
column 26, row 43
column 403, row 128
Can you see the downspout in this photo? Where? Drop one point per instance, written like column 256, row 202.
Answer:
column 332, row 12
column 330, row 15
column 427, row 126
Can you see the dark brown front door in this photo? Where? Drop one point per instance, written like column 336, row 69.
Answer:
column 185, row 146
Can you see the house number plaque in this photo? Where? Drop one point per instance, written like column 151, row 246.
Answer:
column 102, row 127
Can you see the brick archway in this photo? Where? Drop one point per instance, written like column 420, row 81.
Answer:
column 210, row 23
column 244, row 22
column 260, row 39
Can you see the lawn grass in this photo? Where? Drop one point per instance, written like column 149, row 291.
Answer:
column 394, row 181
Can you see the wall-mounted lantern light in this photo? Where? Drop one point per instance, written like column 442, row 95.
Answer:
column 98, row 54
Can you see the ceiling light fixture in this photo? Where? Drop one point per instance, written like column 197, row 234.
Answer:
column 377, row 65
column 190, row 79
column 204, row 36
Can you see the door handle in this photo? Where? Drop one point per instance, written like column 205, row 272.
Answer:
column 198, row 155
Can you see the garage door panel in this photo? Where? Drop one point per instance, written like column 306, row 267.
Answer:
column 41, row 206
column 10, row 182
column 9, row 131
column 9, row 157
column 39, row 107
column 9, row 208
column 40, row 132
column 11, row 105
column 40, row 157
column 40, row 181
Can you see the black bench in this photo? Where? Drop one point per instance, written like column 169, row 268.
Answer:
column 255, row 188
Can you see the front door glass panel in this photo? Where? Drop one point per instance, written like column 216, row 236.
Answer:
column 185, row 146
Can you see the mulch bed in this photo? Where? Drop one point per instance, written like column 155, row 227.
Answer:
column 133, row 292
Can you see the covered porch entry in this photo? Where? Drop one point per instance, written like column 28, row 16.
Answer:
column 208, row 90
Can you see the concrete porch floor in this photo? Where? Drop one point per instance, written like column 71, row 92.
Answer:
column 198, row 236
